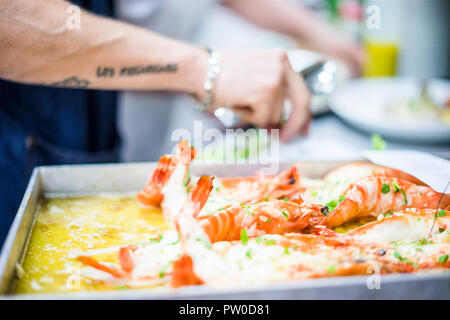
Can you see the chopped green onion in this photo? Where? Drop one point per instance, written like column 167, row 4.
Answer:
column 285, row 199
column 286, row 250
column 404, row 196
column 285, row 214
column 244, row 236
column 249, row 253
column 332, row 268
column 205, row 242
column 385, row 188
column 331, row 205
column 163, row 270
column 441, row 213
column 269, row 242
column 156, row 240
column 395, row 187
column 378, row 142
column 443, row 258
column 249, row 212
column 187, row 177
column 398, row 256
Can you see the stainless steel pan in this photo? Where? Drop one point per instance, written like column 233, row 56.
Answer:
column 91, row 179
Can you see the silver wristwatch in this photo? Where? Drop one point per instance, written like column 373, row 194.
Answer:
column 212, row 73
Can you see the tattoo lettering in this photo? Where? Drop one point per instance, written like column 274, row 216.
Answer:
column 105, row 72
column 110, row 72
column 72, row 82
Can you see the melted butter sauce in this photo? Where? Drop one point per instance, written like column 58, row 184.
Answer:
column 353, row 224
column 67, row 226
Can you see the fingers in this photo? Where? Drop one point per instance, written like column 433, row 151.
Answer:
column 299, row 96
column 277, row 107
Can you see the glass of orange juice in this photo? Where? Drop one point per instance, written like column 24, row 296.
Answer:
column 381, row 58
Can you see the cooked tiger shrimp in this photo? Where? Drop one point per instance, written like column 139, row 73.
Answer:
column 376, row 195
column 166, row 186
column 199, row 263
column 286, row 184
column 354, row 171
column 406, row 225
column 274, row 217
column 336, row 182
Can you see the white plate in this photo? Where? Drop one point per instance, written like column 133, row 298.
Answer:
column 363, row 103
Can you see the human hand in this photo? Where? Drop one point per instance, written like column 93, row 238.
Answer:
column 256, row 84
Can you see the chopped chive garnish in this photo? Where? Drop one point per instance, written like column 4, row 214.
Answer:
column 269, row 242
column 398, row 256
column 331, row 206
column 286, row 250
column 249, row 212
column 285, row 199
column 378, row 142
column 395, row 187
column 404, row 195
column 385, row 188
column 443, row 258
column 163, row 270
column 332, row 268
column 187, row 177
column 441, row 213
column 156, row 240
column 244, row 236
column 249, row 253
column 285, row 214
column 268, row 220
column 205, row 242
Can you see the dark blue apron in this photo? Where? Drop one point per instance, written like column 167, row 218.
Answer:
column 49, row 126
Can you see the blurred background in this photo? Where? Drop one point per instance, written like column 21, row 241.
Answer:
column 400, row 102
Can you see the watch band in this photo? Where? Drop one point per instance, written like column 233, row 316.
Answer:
column 212, row 73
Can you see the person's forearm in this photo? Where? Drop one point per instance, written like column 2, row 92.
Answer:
column 37, row 48
column 281, row 16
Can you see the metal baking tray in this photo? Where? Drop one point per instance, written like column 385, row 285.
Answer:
column 92, row 179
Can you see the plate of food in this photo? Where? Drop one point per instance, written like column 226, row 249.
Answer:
column 197, row 231
column 400, row 108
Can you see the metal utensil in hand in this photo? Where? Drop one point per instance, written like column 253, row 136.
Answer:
column 320, row 78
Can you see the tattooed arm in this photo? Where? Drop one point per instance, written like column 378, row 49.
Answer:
column 36, row 46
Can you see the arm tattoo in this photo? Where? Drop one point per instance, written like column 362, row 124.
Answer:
column 110, row 72
column 72, row 82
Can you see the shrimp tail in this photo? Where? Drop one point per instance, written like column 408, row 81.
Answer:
column 200, row 193
column 185, row 152
column 183, row 273
column 152, row 195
